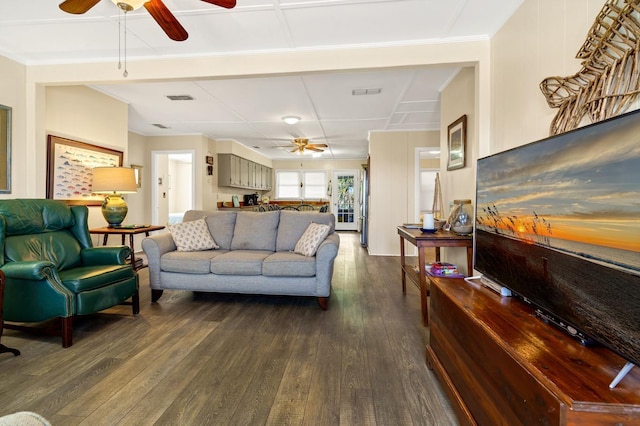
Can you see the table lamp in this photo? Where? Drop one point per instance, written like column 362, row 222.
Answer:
column 114, row 181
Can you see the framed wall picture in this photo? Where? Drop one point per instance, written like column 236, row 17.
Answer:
column 70, row 169
column 457, row 142
column 5, row 149
column 235, row 201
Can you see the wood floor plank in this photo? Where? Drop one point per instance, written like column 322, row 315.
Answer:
column 201, row 358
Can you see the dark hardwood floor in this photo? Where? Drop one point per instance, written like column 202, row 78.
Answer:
column 204, row 359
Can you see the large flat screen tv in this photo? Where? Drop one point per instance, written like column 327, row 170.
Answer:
column 558, row 223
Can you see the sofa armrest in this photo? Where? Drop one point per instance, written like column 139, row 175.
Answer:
column 325, row 256
column 154, row 247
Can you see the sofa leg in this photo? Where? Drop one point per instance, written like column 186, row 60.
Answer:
column 156, row 295
column 323, row 302
column 135, row 302
column 67, row 331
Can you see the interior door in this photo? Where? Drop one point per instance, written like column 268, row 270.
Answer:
column 345, row 198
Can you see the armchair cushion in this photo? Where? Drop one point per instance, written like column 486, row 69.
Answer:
column 59, row 247
column 85, row 278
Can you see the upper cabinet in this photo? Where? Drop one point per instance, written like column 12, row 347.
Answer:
column 241, row 173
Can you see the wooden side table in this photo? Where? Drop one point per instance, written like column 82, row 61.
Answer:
column 106, row 231
column 421, row 241
column 3, row 348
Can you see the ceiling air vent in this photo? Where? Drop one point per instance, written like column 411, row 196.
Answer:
column 180, row 97
column 361, row 92
column 160, row 126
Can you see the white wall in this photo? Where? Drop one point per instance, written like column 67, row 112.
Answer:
column 393, row 185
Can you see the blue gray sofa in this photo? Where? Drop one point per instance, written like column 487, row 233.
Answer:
column 255, row 256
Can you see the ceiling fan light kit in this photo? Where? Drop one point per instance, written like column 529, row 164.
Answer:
column 129, row 5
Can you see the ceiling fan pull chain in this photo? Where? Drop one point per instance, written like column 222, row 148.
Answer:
column 125, row 73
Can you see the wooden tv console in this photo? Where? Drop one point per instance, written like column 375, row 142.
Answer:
column 501, row 365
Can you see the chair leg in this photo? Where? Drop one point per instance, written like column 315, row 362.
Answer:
column 67, row 331
column 4, row 349
column 135, row 302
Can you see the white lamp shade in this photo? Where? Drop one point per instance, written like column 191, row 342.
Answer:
column 107, row 180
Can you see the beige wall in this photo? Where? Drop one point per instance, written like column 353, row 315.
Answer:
column 540, row 40
column 13, row 95
column 393, row 185
column 85, row 115
column 458, row 99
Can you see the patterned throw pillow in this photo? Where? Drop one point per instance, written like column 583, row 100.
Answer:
column 315, row 234
column 192, row 236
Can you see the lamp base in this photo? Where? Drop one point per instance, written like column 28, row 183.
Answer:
column 114, row 209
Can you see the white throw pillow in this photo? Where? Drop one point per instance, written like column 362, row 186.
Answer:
column 193, row 235
column 315, row 234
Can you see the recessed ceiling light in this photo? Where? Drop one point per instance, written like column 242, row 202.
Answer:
column 316, row 154
column 291, row 119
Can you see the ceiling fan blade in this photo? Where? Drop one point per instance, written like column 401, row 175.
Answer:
column 313, row 148
column 77, row 7
column 318, row 145
column 166, row 20
column 229, row 4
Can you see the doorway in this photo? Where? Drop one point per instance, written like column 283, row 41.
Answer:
column 344, row 199
column 172, row 175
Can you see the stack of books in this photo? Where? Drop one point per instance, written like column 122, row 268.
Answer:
column 443, row 269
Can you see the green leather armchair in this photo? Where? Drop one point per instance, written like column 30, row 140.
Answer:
column 52, row 269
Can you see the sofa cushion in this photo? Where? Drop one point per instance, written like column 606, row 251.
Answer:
column 293, row 224
column 193, row 262
column 308, row 244
column 288, row 264
column 239, row 262
column 221, row 226
column 255, row 231
column 192, row 236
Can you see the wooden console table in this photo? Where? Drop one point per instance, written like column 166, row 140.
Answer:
column 123, row 232
column 424, row 240
column 500, row 365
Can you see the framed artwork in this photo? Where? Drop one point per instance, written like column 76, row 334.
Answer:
column 209, row 159
column 70, row 169
column 5, row 149
column 137, row 170
column 236, row 202
column 457, row 142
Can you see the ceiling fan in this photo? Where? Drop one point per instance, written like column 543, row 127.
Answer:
column 156, row 9
column 302, row 144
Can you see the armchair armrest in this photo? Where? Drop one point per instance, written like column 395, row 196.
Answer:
column 105, row 255
column 36, row 270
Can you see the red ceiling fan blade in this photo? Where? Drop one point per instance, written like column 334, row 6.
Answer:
column 166, row 20
column 229, row 4
column 77, row 7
